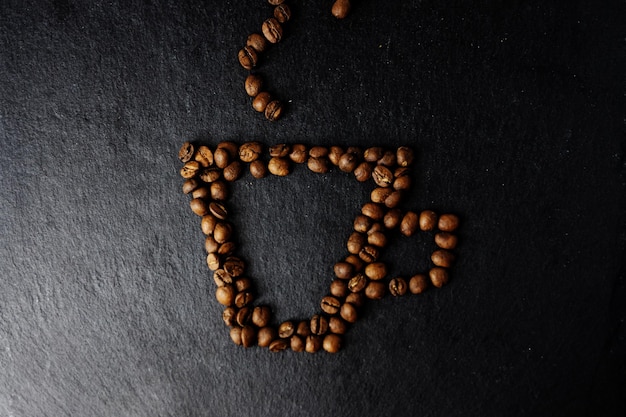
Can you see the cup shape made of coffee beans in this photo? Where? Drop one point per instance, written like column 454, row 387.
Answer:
column 356, row 276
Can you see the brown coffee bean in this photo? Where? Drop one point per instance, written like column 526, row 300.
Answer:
column 357, row 283
column 402, row 179
column 210, row 174
column 221, row 157
column 348, row 162
column 248, row 57
column 278, row 167
column 258, row 169
column 274, row 110
column 234, row 266
column 446, row 240
column 204, row 156
column 373, row 154
column 318, row 152
column 261, row 316
column 250, row 151
column 260, row 102
column 330, row 305
column 418, row 284
column 356, row 262
column 243, row 316
column 376, row 271
column 404, row 156
column 348, row 312
column 225, row 295
column 337, row 325
column 442, row 257
column 318, row 165
column 448, row 222
column 229, row 316
column 377, row 239
column 388, row 159
column 332, row 343
column 243, row 284
column 380, row 194
column 266, row 336
column 231, row 147
column 190, row 169
column 189, row 185
column 341, row 8
column 298, row 153
column 427, row 220
column 392, row 218
column 393, row 200
column 362, row 223
column 334, row 154
column 369, row 253
column 253, row 84
column 222, row 278
column 319, row 324
column 438, row 276
column 275, row 2
column 213, row 261
column 383, row 177
column 256, row 41
column 222, row 232
column 201, row 192
column 282, row 13
column 186, row 152
column 343, row 270
column 397, row 287
column 363, row 172
column 339, row 288
column 218, row 210
column 375, row 290
column 233, row 171
column 199, row 206
column 356, row 241
column 373, row 211
column 409, row 223
column 243, row 299
column 286, row 329
column 296, row 343
column 357, row 299
column 278, row 345
column 272, row 30
column 208, row 224
column 235, row 335
column 313, row 343
column 280, row 151
column 248, row 336
column 377, row 227
column 210, row 245
column 303, row 329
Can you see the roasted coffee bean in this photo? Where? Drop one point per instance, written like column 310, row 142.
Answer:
column 210, row 174
column 363, row 172
column 343, row 270
column 278, row 345
column 438, row 276
column 356, row 262
column 348, row 162
column 298, row 153
column 282, row 13
column 186, row 152
column 258, row 169
column 248, row 336
column 446, row 240
column 375, row 290
column 274, row 110
column 233, row 171
column 286, row 329
column 388, row 159
column 243, row 299
column 380, row 194
column 341, row 8
column 222, row 278
column 376, row 271
column 266, row 336
column 334, row 154
column 280, row 151
column 392, row 218
column 330, row 305
column 199, row 206
column 221, row 157
column 201, row 192
column 373, row 211
column 234, row 266
column 278, row 167
column 260, row 102
column 442, row 257
column 250, row 151
column 248, row 57
column 189, row 185
column 303, row 328
column 362, row 223
column 222, row 232
column 401, row 182
column 373, row 154
column 356, row 151
column 218, row 210
column 318, row 152
column 377, row 239
column 376, row 227
column 339, row 288
column 348, row 312
column 332, row 343
column 318, row 165
column 319, row 324
column 418, row 284
column 210, row 245
column 337, row 325
column 261, row 316
column 393, row 199
column 296, row 343
column 208, row 224
column 204, row 156
column 231, row 147
column 190, row 169
column 404, row 156
column 253, row 84
column 256, row 41
column 409, row 223
column 213, row 261
column 383, row 177
column 225, row 295
column 272, row 30
column 229, row 316
column 397, row 287
column 243, row 284
column 369, row 253
column 448, row 222
column 313, row 343
column 427, row 220
column 356, row 299
column 356, row 241
column 235, row 335
column 357, row 283
column 243, row 316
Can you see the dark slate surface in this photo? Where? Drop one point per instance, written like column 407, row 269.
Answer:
column 516, row 111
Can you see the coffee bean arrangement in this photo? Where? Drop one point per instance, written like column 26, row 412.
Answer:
column 358, row 275
column 250, row 55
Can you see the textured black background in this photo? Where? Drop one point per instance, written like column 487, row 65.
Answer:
column 516, row 110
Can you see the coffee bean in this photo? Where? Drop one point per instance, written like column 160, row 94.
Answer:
column 343, row 270
column 356, row 241
column 427, row 220
column 218, row 190
column 356, row 299
column 234, row 266
column 210, row 174
column 373, row 154
column 448, row 222
column 383, row 177
column 409, row 223
column 380, row 194
column 348, row 162
column 201, row 192
column 222, row 232
column 213, row 261
column 446, row 240
column 357, row 283
column 208, row 224
column 332, row 343
column 318, row 152
column 189, row 185
column 303, row 328
column 373, row 211
column 348, row 312
column 393, row 200
column 210, row 245
column 199, row 206
column 222, row 278
column 376, row 271
column 334, row 154
column 260, row 102
column 261, row 316
column 230, row 147
column 278, row 345
column 438, row 276
column 376, row 227
column 369, row 253
column 256, row 41
column 337, row 325
column 243, row 316
column 248, row 57
column 442, row 257
column 186, row 152
column 402, row 179
column 375, row 290
column 282, row 13
column 418, row 284
column 388, row 159
column 319, row 324
column 296, row 343
column 286, row 329
column 356, row 262
column 248, row 336
column 218, row 210
column 253, row 84
column 377, row 239
column 362, row 223
column 339, row 288
column 266, row 336
column 250, row 151
column 404, row 156
column 274, row 110
column 243, row 299
column 258, row 169
column 397, row 287
column 221, row 157
column 278, row 167
column 363, row 172
column 190, row 169
column 313, row 343
column 280, row 151
column 204, row 156
column 243, row 284
column 232, row 171
column 298, row 153
column 275, row 2
column 330, row 305
column 341, row 8
column 392, row 218
column 318, row 165
column 229, row 316
column 272, row 30
column 235, row 335
column 225, row 295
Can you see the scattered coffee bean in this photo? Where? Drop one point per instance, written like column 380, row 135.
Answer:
column 357, row 299
column 380, row 194
column 243, row 284
column 243, row 299
column 348, row 312
column 235, row 335
column 199, row 206
column 222, row 232
column 282, row 13
column 253, row 85
column 273, row 110
column 210, row 174
column 221, row 157
column 230, row 147
column 409, row 223
column 266, row 336
column 427, row 220
column 319, row 324
column 318, row 165
column 446, row 240
column 404, row 156
column 330, row 305
column 442, row 257
column 375, row 290
column 256, row 41
column 356, row 262
column 280, row 151
column 272, row 30
column 258, row 169
column 232, row 171
column 438, row 276
column 337, row 325
column 377, row 239
column 201, row 192
column 356, row 241
column 278, row 345
column 373, row 154
column 343, row 270
column 278, row 166
column 334, row 155
column 225, row 295
column 313, row 343
column 339, row 288
column 348, row 162
column 248, row 336
column 250, row 151
column 341, row 8
column 383, row 177
column 210, row 245
column 190, row 169
column 392, row 218
column 208, row 224
column 261, row 316
column 261, row 101
column 243, row 316
column 418, row 284
column 222, row 278
column 204, row 156
column 357, row 283
column 363, row 172
column 393, row 199
column 373, row 211
column 234, row 266
column 362, row 223
column 388, row 159
column 218, row 210
column 229, row 316
column 248, row 57
column 298, row 154
column 186, row 152
column 397, row 287
column 189, row 185
column 448, row 222
column 303, row 328
column 332, row 343
column 296, row 343
column 369, row 253
column 376, row 271
column 286, row 330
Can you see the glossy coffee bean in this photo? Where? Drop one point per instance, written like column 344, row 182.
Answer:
column 357, row 299
column 233, row 171
column 280, row 150
column 243, row 316
column 446, row 240
column 235, row 335
column 272, row 30
column 409, row 224
column 427, row 220
column 278, row 345
column 230, row 147
column 358, row 283
column 225, row 295
column 318, row 165
column 373, row 211
column 222, row 278
column 282, row 13
column 190, row 169
column 394, row 199
column 258, row 169
column 199, row 206
column 383, row 177
column 369, row 253
column 380, row 194
column 356, row 241
column 248, row 336
column 356, row 262
column 376, row 271
column 186, row 152
column 362, row 223
column 210, row 174
column 296, row 343
column 438, row 276
column 377, row 239
column 243, row 284
column 286, row 329
column 448, row 222
column 248, row 57
column 341, row 8
column 210, row 245
column 348, row 312
column 273, row 110
column 373, row 154
column 208, row 224
column 221, row 157
column 348, row 162
column 298, row 153
column 257, row 41
column 190, row 185
column 204, row 156
column 266, row 336
column 243, row 299
column 218, row 210
column 250, row 151
column 303, row 328
column 398, row 287
column 375, row 290
column 418, row 284
column 278, row 167
column 319, row 324
column 392, row 218
column 337, row 325
column 201, row 192
column 343, row 270
column 334, row 154
column 213, row 261
column 388, row 159
column 228, row 316
column 363, row 172
column 234, row 266
column 260, row 102
column 442, row 257
column 253, row 85
column 261, row 316
column 222, row 232
column 313, row 343
column 332, row 343
column 219, row 190
column 330, row 305
column 404, row 156
column 339, row 288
